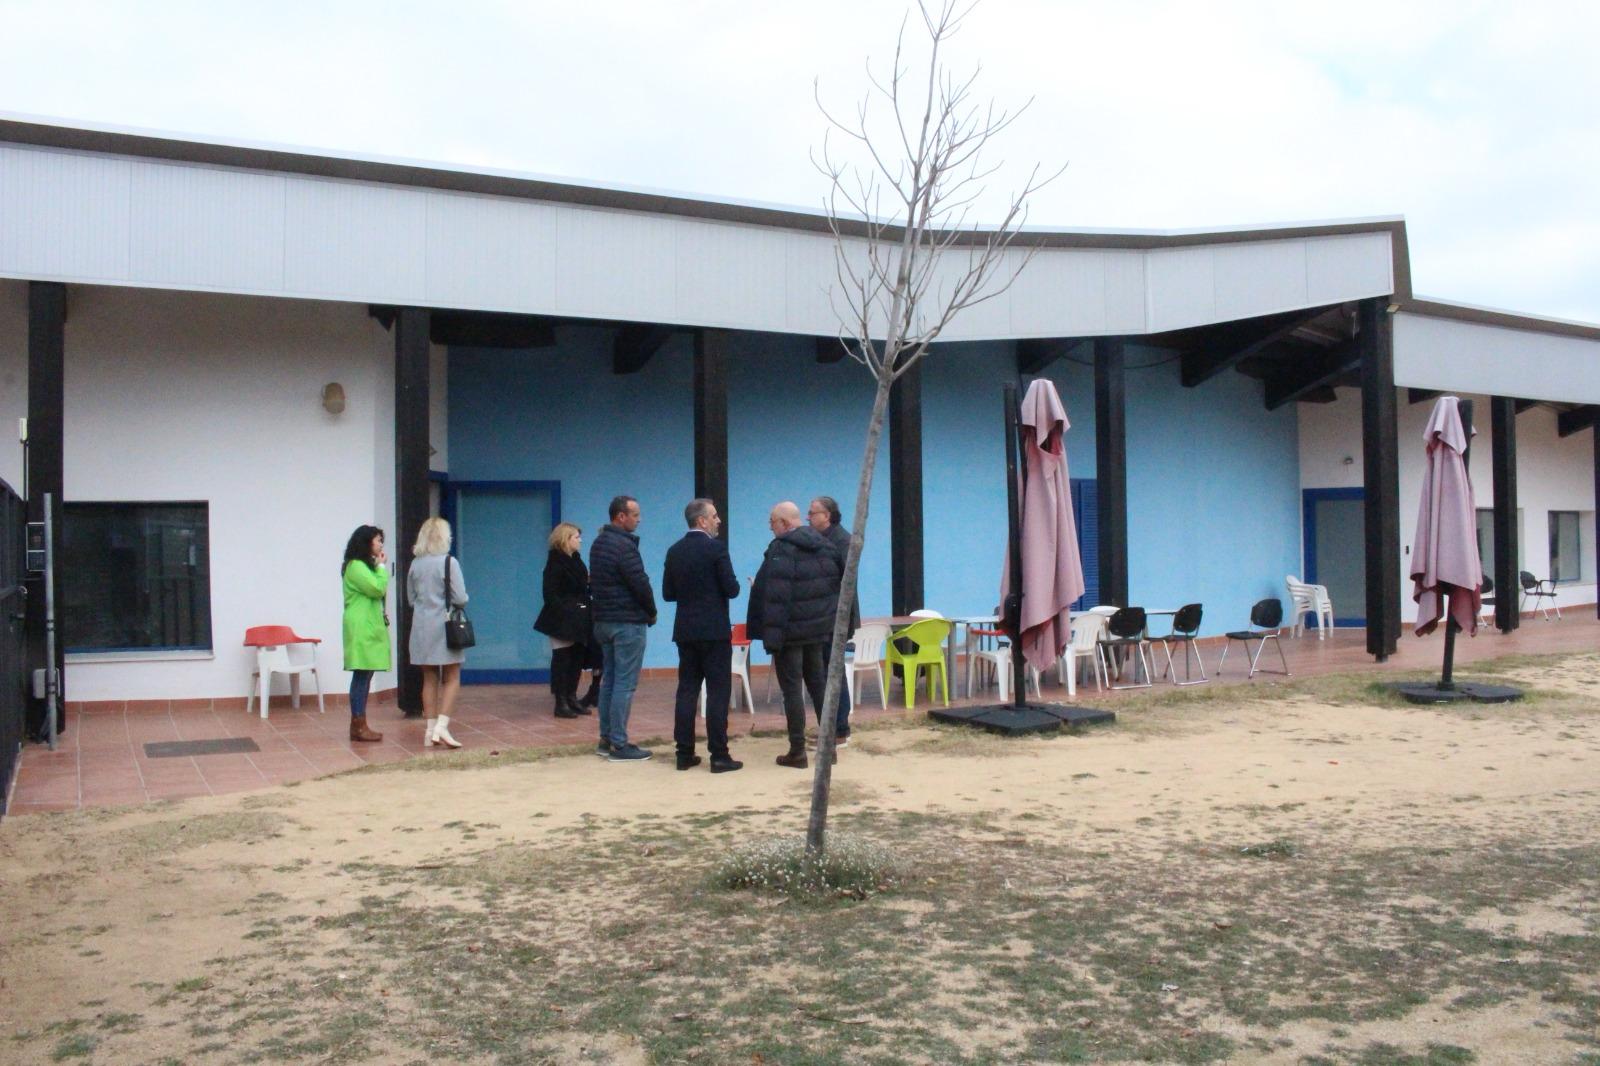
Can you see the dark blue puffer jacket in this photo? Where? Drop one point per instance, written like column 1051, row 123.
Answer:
column 796, row 591
column 618, row 585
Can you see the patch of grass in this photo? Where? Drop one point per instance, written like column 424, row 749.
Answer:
column 849, row 866
column 73, row 1046
column 1272, row 849
column 172, row 835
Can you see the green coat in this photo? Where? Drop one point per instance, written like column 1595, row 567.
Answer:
column 366, row 631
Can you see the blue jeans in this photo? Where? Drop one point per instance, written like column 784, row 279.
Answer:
column 622, row 654
column 360, row 685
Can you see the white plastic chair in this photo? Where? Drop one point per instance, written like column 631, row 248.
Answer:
column 1307, row 599
column 1086, row 631
column 869, row 641
column 1000, row 659
column 741, row 673
column 279, row 650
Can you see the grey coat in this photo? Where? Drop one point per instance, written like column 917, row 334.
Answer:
column 425, row 593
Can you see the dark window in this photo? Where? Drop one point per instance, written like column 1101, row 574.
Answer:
column 1486, row 539
column 137, row 577
column 1565, row 560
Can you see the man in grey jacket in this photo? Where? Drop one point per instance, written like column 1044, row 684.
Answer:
column 624, row 605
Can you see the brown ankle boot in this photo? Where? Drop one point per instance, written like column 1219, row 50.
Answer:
column 796, row 759
column 360, row 731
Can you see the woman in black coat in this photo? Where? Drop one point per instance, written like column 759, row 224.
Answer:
column 566, row 617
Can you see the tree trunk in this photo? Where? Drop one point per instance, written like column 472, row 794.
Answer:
column 822, row 781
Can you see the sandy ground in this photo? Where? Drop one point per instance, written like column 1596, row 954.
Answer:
column 95, row 903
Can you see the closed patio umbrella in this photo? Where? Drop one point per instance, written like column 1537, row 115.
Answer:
column 1052, row 572
column 1446, row 573
column 1444, row 552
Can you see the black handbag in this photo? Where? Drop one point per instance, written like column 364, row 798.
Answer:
column 458, row 633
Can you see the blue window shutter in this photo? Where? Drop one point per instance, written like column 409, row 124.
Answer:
column 1086, row 510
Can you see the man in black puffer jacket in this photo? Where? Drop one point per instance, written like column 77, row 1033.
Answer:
column 791, row 612
column 623, row 605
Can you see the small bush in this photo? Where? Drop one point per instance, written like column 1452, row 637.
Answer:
column 1275, row 849
column 849, row 866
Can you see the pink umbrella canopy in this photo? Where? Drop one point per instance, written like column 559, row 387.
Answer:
column 1444, row 552
column 1052, row 572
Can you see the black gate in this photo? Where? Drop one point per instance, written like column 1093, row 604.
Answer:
column 13, row 668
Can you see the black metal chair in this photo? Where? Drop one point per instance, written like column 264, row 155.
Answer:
column 1185, row 627
column 1125, row 631
column 1266, row 620
column 1536, row 589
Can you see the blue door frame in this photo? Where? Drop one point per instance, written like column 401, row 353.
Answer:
column 1309, row 500
column 449, row 510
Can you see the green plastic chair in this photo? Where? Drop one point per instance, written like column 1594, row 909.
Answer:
column 928, row 636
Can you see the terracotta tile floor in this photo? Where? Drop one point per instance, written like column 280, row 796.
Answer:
column 101, row 758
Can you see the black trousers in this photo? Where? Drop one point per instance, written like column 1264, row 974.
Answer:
column 711, row 662
column 797, row 665
column 566, row 666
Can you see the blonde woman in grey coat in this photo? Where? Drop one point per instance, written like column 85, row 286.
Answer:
column 441, row 664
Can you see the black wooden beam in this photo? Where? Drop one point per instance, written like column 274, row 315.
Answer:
column 1380, row 476
column 1231, row 342
column 1310, row 373
column 830, row 349
column 1597, row 498
column 486, row 329
column 46, row 468
column 1422, row 395
column 1526, row 405
column 1111, row 467
column 411, row 333
column 1577, row 419
column 634, row 345
column 711, row 421
column 1503, row 464
column 905, row 492
column 1034, row 355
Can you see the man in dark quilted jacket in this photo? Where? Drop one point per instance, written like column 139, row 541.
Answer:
column 623, row 605
column 791, row 613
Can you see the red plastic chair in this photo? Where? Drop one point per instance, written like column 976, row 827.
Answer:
column 280, row 650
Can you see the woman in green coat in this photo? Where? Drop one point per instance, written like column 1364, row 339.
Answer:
column 366, row 621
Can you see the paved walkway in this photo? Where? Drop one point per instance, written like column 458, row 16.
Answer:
column 102, row 757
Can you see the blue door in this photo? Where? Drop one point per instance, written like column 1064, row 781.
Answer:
column 1336, row 550
column 500, row 537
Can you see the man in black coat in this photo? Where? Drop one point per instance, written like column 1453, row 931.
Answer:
column 824, row 517
column 791, row 612
column 699, row 579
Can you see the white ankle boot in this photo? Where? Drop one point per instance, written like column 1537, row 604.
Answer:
column 441, row 732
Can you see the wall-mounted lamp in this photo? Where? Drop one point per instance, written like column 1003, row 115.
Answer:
column 333, row 398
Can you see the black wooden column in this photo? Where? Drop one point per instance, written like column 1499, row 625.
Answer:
column 1111, row 467
column 1507, row 588
column 711, row 421
column 1381, row 476
column 47, row 332
column 905, row 492
column 410, row 480
column 1596, row 434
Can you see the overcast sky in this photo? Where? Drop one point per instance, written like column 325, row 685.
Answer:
column 1476, row 121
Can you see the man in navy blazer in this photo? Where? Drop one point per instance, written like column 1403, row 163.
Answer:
column 699, row 578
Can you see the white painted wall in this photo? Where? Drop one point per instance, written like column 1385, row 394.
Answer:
column 13, row 377
column 173, row 396
column 1553, row 473
column 95, row 218
column 1442, row 353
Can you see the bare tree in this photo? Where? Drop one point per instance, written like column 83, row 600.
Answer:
column 908, row 261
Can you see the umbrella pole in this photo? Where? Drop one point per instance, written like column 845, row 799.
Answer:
column 1013, row 605
column 1451, row 627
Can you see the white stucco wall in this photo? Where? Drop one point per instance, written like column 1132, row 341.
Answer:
column 13, row 377
column 175, row 396
column 1553, row 473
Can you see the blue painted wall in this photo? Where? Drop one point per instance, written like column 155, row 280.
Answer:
column 1213, row 477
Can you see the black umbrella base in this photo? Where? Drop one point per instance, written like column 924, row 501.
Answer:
column 1459, row 692
column 1007, row 719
